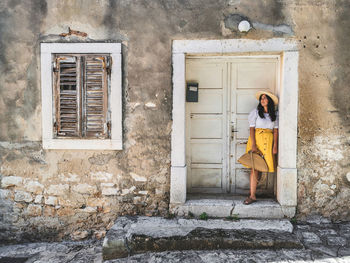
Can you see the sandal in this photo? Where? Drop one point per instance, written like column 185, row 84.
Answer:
column 249, row 201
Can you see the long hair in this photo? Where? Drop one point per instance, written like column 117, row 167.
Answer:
column 270, row 108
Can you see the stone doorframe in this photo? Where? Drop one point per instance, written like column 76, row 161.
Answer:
column 288, row 110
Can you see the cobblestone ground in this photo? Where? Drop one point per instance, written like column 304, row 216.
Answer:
column 323, row 241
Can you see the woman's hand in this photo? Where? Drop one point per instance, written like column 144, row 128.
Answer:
column 274, row 149
column 254, row 148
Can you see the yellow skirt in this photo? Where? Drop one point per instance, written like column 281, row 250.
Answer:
column 264, row 143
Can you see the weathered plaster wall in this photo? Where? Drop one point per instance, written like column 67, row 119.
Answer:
column 51, row 194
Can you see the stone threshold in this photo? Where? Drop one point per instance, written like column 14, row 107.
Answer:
column 135, row 235
column 224, row 206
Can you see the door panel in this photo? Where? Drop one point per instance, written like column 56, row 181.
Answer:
column 256, row 75
column 210, row 101
column 206, row 178
column 250, row 76
column 246, row 101
column 206, row 153
column 209, row 127
column 207, row 74
column 206, row 150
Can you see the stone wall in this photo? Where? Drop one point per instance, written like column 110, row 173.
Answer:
column 55, row 194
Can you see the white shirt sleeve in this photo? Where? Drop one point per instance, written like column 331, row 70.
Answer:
column 275, row 126
column 252, row 117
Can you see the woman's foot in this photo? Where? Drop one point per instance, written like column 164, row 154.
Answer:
column 249, row 201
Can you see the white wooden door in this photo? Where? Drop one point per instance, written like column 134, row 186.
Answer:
column 206, row 149
column 217, row 127
column 247, row 77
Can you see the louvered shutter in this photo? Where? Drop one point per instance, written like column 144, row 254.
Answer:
column 66, row 97
column 95, row 96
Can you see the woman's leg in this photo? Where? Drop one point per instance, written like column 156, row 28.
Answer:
column 253, row 183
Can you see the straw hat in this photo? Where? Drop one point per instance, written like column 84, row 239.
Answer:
column 273, row 97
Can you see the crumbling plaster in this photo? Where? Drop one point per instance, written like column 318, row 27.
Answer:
column 91, row 188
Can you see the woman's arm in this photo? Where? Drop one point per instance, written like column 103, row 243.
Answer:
column 275, row 140
column 252, row 137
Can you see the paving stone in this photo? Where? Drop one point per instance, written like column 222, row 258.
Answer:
column 219, row 256
column 336, row 241
column 310, row 237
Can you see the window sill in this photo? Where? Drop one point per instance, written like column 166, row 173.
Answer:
column 70, row 144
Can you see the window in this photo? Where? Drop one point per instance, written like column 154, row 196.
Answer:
column 81, row 95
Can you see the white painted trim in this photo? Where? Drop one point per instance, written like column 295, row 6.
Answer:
column 82, row 144
column 178, row 185
column 233, row 46
column 115, row 98
column 288, row 108
column 178, row 152
column 50, row 48
column 288, row 95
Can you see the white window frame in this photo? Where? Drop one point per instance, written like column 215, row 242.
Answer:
column 115, row 96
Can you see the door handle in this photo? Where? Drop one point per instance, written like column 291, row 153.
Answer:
column 233, row 130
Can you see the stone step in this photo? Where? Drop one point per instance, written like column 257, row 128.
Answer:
column 266, row 208
column 134, row 235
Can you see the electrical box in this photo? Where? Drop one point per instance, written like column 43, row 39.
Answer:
column 192, row 92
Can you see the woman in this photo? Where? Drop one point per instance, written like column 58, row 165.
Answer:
column 263, row 136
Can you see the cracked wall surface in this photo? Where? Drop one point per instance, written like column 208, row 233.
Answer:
column 57, row 194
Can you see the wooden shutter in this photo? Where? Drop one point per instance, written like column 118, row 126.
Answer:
column 95, row 96
column 66, row 97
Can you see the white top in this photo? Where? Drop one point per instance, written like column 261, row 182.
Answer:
column 265, row 123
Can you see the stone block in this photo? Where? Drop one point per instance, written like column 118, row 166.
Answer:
column 51, row 200
column 65, row 211
column 69, row 177
column 178, row 185
column 327, row 232
column 49, row 211
column 85, row 189
column 138, row 178
column 107, row 185
column 96, row 202
column 143, row 192
column 8, row 181
column 336, row 241
column 137, row 199
column 4, row 193
column 39, row 199
column 101, row 176
column 128, row 191
column 88, row 209
column 159, row 192
column 110, row 191
column 34, row 187
column 57, row 189
column 79, row 235
column 310, row 237
column 287, row 186
column 34, row 210
column 21, row 196
column 100, row 234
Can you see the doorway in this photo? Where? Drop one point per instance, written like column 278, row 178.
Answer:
column 286, row 176
column 217, row 126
